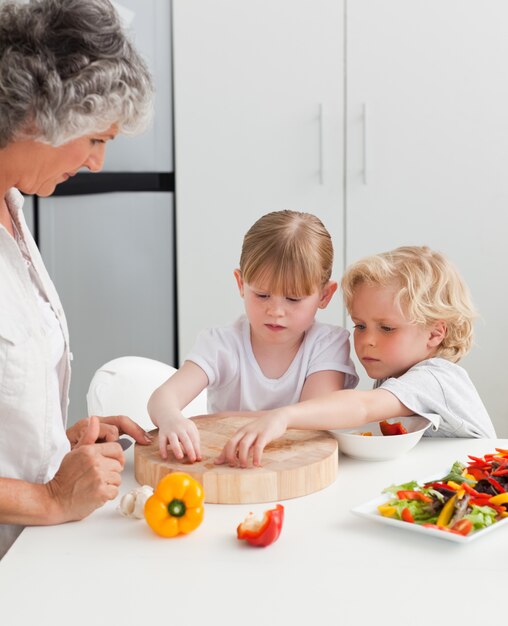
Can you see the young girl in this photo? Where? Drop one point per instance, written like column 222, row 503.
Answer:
column 276, row 353
column 413, row 322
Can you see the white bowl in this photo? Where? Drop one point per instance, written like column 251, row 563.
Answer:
column 381, row 447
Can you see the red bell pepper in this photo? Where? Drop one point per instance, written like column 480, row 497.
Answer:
column 485, row 502
column 436, row 527
column 497, row 486
column 477, row 473
column 477, row 459
column 392, row 429
column 438, row 485
column 500, row 472
column 413, row 495
column 262, row 532
column 473, row 492
column 462, row 527
column 406, row 515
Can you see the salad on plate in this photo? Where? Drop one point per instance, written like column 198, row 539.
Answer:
column 470, row 497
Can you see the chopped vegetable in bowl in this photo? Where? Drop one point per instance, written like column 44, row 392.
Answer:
column 375, row 445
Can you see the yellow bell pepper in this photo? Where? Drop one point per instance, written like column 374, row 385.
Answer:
column 501, row 498
column 453, row 485
column 446, row 512
column 176, row 505
column 469, row 476
column 386, row 510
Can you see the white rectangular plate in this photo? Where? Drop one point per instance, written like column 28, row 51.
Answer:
column 369, row 510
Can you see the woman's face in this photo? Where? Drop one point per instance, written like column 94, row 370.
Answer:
column 47, row 166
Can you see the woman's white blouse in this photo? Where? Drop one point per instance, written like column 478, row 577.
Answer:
column 34, row 361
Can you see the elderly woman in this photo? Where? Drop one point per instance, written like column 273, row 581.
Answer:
column 69, row 82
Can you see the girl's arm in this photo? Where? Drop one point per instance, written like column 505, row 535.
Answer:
column 341, row 409
column 165, row 409
column 322, row 383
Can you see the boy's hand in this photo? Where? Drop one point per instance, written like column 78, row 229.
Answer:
column 182, row 436
column 255, row 436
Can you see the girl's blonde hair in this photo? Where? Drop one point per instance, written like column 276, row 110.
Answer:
column 289, row 251
column 430, row 289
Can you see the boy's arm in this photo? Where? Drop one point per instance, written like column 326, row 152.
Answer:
column 341, row 409
column 165, row 409
column 346, row 408
column 322, row 383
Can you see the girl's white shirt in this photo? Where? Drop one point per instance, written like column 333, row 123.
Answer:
column 34, row 362
column 236, row 382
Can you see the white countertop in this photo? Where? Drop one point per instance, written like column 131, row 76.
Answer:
column 327, row 564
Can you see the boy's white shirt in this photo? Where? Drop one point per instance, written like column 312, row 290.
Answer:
column 442, row 392
column 236, row 382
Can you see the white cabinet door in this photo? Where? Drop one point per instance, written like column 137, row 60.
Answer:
column 258, row 127
column 427, row 151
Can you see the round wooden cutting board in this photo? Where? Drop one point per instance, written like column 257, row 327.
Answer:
column 297, row 464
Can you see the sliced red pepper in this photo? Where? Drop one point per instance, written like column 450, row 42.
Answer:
column 439, row 486
column 473, row 492
column 500, row 472
column 462, row 527
column 413, row 495
column 436, row 527
column 481, row 466
column 485, row 502
column 392, row 429
column 262, row 532
column 475, row 458
column 406, row 515
column 496, row 485
column 477, row 473
column 502, row 451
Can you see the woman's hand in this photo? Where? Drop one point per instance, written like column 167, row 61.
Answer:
column 253, row 437
column 182, row 436
column 88, row 477
column 110, row 428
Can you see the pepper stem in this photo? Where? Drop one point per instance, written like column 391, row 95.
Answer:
column 177, row 508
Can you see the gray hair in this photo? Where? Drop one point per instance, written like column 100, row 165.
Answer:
column 67, row 69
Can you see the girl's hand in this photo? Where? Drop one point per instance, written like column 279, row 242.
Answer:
column 252, row 437
column 182, row 436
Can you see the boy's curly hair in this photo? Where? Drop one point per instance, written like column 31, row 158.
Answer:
column 430, row 289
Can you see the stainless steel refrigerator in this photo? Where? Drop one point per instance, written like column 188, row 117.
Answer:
column 108, row 238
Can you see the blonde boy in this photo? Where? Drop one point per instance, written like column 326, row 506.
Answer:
column 413, row 322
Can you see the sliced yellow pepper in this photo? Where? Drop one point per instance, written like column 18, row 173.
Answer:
column 501, row 498
column 453, row 485
column 386, row 510
column 470, row 477
column 176, row 505
column 446, row 512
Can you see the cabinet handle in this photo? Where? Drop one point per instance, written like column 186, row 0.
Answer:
column 321, row 144
column 364, row 119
